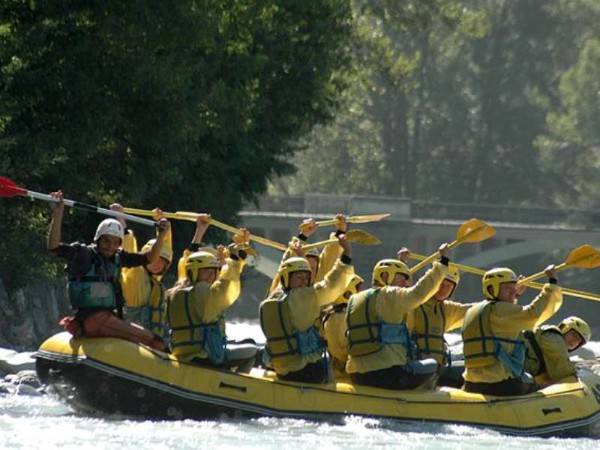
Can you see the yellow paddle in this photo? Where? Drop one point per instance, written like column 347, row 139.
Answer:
column 357, row 236
column 567, row 291
column 192, row 216
column 473, row 230
column 351, row 219
column 571, row 292
column 584, row 257
column 261, row 240
column 147, row 212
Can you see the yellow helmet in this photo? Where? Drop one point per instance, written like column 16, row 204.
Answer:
column 351, row 287
column 494, row 278
column 353, row 284
column 166, row 251
column 289, row 266
column 391, row 267
column 454, row 277
column 453, row 274
column 200, row 260
column 577, row 324
column 314, row 252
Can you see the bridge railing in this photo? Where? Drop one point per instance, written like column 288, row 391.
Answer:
column 404, row 209
column 505, row 213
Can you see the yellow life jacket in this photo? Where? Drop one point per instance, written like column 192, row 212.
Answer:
column 189, row 333
column 481, row 348
column 285, row 342
column 157, row 306
column 430, row 343
column 534, row 357
column 367, row 332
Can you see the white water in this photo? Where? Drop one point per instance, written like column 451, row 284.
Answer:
column 46, row 423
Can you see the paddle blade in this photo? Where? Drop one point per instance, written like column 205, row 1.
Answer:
column 8, row 188
column 362, row 237
column 585, row 257
column 367, row 218
column 474, row 230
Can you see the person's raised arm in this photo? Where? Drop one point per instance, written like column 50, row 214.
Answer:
column 162, row 227
column 347, row 253
column 202, row 224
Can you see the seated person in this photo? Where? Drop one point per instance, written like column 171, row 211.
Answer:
column 197, row 304
column 94, row 271
column 548, row 348
column 289, row 317
column 143, row 289
column 428, row 323
column 379, row 345
column 333, row 327
column 494, row 355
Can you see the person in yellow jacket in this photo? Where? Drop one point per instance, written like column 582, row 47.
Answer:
column 320, row 262
column 494, row 355
column 428, row 323
column 142, row 287
column 379, row 345
column 202, row 224
column 288, row 318
column 196, row 305
column 333, row 327
column 548, row 348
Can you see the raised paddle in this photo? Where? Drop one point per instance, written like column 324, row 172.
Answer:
column 232, row 229
column 532, row 284
column 584, row 257
column 351, row 219
column 357, row 236
column 9, row 188
column 473, row 230
column 192, row 217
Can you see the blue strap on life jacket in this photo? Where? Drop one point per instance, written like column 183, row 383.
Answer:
column 514, row 362
column 215, row 342
column 212, row 340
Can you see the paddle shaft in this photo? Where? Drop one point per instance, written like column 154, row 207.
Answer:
column 190, row 216
column 354, row 219
column 567, row 291
column 86, row 207
column 537, row 275
column 430, row 258
column 320, row 244
column 259, row 239
column 351, row 219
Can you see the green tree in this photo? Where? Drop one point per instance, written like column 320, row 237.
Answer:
column 377, row 144
column 191, row 105
column 571, row 149
column 450, row 99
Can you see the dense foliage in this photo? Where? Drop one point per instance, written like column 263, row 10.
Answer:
column 484, row 101
column 202, row 104
column 189, row 105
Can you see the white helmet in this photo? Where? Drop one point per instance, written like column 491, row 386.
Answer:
column 110, row 227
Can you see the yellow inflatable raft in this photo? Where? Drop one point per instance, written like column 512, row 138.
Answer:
column 115, row 376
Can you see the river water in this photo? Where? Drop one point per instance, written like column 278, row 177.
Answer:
column 46, row 423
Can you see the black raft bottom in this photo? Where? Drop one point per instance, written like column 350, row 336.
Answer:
column 94, row 391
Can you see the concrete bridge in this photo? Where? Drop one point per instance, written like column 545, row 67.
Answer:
column 524, row 237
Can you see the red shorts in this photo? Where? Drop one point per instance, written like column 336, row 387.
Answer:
column 108, row 324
